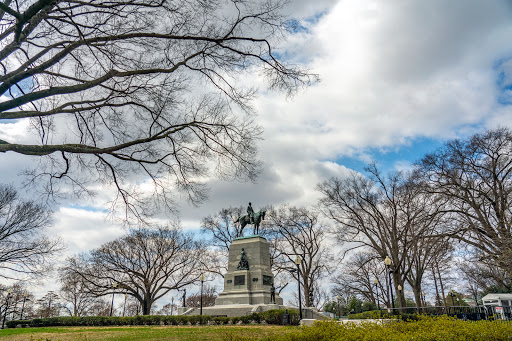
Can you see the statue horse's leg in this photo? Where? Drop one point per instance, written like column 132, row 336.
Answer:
column 243, row 223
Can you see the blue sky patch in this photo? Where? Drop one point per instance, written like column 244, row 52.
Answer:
column 503, row 67
column 26, row 85
column 391, row 158
column 88, row 208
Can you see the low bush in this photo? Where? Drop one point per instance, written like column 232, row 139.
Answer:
column 270, row 317
column 274, row 316
column 424, row 329
column 380, row 314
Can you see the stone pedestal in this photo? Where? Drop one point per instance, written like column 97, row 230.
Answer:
column 246, row 290
column 250, row 286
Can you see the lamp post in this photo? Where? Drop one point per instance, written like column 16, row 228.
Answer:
column 114, row 286
column 376, row 281
column 124, row 306
column 452, row 295
column 387, row 261
column 172, row 304
column 23, row 306
column 338, row 300
column 297, row 262
column 424, row 302
column 202, row 281
column 6, row 306
column 399, row 298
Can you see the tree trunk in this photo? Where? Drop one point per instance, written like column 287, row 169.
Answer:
column 438, row 299
column 307, row 302
column 441, row 284
column 399, row 293
column 146, row 306
column 388, row 299
column 417, row 295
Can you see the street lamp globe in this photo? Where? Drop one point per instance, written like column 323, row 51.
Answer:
column 298, row 260
column 375, row 280
column 387, row 261
column 114, row 285
column 201, row 278
column 399, row 287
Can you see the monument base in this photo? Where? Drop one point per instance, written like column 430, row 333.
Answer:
column 248, row 283
column 232, row 310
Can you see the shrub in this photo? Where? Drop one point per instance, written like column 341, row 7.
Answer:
column 274, row 316
column 379, row 314
column 221, row 320
column 15, row 323
column 425, row 328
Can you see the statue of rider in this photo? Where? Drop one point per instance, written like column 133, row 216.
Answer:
column 250, row 213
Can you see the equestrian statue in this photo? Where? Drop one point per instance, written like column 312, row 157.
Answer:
column 251, row 217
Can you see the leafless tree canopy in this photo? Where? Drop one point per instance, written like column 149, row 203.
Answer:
column 49, row 305
column 358, row 274
column 78, row 301
column 389, row 214
column 209, row 296
column 146, row 264
column 221, row 228
column 24, row 249
column 107, row 87
column 476, row 176
column 298, row 232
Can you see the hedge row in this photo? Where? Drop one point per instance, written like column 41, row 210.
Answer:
column 269, row 317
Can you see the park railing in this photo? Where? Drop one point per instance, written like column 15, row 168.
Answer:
column 468, row 313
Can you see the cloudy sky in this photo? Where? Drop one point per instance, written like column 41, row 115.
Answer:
column 398, row 78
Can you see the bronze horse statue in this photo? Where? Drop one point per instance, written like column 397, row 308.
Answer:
column 244, row 220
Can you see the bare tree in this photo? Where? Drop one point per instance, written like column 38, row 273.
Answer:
column 299, row 233
column 427, row 250
column 49, row 305
column 107, row 88
column 16, row 299
column 482, row 276
column 475, row 175
column 101, row 307
column 74, row 292
column 24, row 249
column 358, row 274
column 387, row 214
column 221, row 227
column 209, row 296
column 146, row 264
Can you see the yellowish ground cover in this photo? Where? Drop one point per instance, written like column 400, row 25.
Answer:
column 425, row 329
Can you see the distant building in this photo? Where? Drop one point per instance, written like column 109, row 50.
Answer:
column 469, row 301
column 497, row 300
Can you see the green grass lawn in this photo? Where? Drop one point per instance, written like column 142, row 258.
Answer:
column 221, row 333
